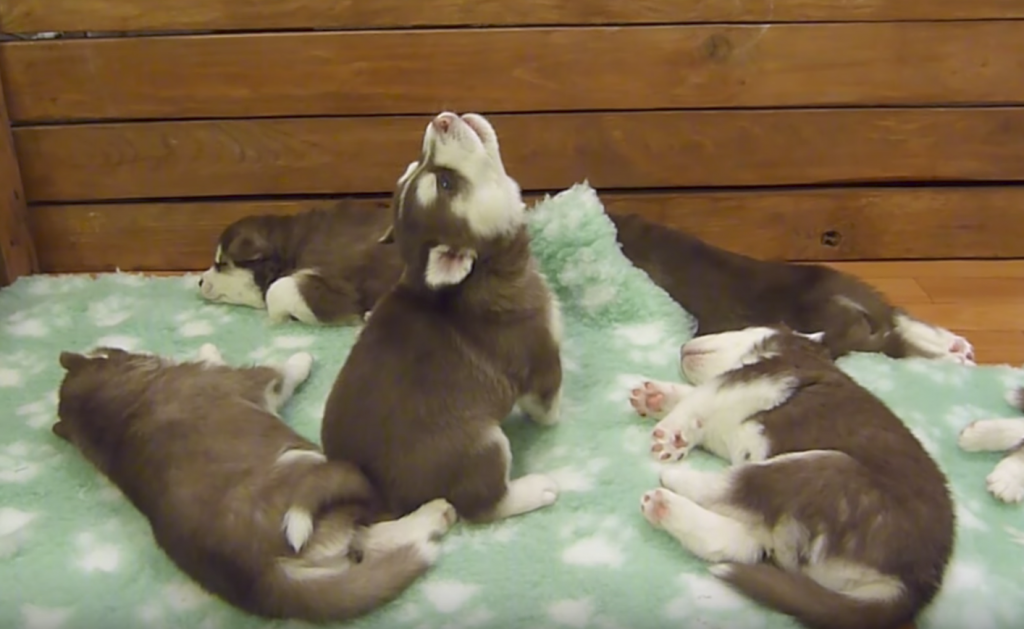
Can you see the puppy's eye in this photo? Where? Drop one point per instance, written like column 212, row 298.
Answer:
column 444, row 181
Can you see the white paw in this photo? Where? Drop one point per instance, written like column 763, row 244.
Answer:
column 437, row 517
column 538, row 412
column 1006, row 481
column 671, row 441
column 540, row 488
column 960, row 350
column 298, row 526
column 656, row 506
column 654, row 398
column 209, row 353
column 298, row 366
column 992, row 435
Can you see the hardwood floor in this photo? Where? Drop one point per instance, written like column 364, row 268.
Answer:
column 982, row 300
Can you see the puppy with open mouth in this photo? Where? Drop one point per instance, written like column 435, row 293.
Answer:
column 470, row 330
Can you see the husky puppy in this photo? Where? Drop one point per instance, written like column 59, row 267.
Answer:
column 323, row 266
column 832, row 513
column 1006, row 481
column 250, row 510
column 729, row 291
column 469, row 330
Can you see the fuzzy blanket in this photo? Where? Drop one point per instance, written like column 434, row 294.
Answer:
column 75, row 555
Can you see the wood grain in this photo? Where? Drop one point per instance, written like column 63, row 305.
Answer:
column 29, row 16
column 515, row 70
column 17, row 250
column 880, row 223
column 543, row 151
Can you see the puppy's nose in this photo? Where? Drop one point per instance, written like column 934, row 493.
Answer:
column 443, row 123
column 200, row 282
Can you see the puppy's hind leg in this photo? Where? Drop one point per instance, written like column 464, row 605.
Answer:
column 930, row 341
column 486, row 494
column 543, row 404
column 711, row 536
column 293, row 372
column 423, row 528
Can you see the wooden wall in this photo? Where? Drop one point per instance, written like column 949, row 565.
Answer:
column 795, row 129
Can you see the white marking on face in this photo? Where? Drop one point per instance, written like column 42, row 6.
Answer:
column 491, row 203
column 234, row 285
column 218, row 256
column 446, row 267
column 284, row 300
column 426, row 189
column 706, row 357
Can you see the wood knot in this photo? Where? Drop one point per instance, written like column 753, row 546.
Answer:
column 831, row 238
column 717, row 47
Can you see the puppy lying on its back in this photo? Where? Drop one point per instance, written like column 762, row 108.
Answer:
column 241, row 503
column 827, row 484
column 469, row 330
column 729, row 291
column 1006, row 481
column 321, row 266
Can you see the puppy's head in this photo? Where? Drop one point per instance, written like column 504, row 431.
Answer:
column 245, row 264
column 94, row 381
column 707, row 357
column 455, row 205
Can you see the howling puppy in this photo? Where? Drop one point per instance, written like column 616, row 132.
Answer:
column 250, row 510
column 470, row 330
column 1006, row 481
column 833, row 512
column 322, row 266
column 728, row 291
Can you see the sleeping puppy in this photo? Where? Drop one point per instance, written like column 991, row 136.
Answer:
column 470, row 330
column 832, row 511
column 728, row 291
column 242, row 504
column 321, row 266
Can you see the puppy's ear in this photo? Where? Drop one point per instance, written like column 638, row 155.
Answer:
column 249, row 247
column 447, row 266
column 388, row 237
column 71, row 361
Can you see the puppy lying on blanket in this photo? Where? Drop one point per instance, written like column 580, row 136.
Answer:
column 470, row 329
column 321, row 266
column 242, row 504
column 827, row 484
column 1006, row 481
column 728, row 291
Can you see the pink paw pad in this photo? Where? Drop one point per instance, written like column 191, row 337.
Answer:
column 654, row 506
column 647, row 399
column 962, row 348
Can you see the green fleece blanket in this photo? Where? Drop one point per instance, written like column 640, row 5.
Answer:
column 74, row 554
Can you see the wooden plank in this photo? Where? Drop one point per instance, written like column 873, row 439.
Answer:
column 30, row 16
column 882, row 223
column 17, row 251
column 543, row 151
column 959, row 269
column 977, row 290
column 971, row 316
column 515, row 70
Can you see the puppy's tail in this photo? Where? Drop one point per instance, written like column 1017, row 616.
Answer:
column 812, row 604
column 338, row 590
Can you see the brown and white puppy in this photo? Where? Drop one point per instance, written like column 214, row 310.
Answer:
column 833, row 512
column 1006, row 480
column 250, row 510
column 321, row 266
column 728, row 291
column 470, row 330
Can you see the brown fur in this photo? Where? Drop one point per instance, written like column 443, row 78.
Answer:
column 436, row 370
column 193, row 447
column 729, row 291
column 351, row 271
column 884, row 505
